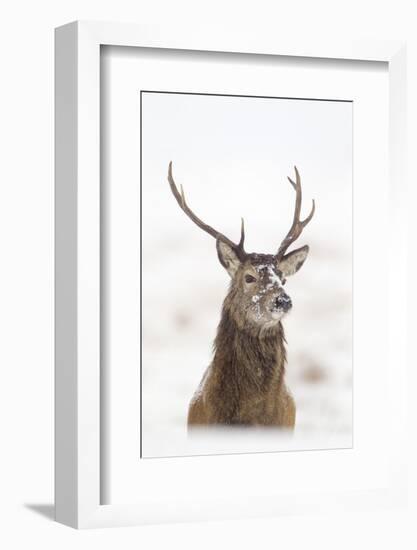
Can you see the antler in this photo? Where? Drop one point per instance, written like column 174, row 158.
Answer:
column 180, row 198
column 297, row 224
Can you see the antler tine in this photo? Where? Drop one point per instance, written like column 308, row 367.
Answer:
column 242, row 234
column 297, row 224
column 180, row 198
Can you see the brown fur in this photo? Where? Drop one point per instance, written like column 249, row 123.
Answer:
column 244, row 384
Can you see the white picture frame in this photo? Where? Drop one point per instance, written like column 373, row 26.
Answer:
column 77, row 498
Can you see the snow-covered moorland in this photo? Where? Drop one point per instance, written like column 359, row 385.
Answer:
column 232, row 156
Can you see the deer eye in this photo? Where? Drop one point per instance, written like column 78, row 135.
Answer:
column 249, row 279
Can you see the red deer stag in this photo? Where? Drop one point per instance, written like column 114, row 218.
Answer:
column 244, row 384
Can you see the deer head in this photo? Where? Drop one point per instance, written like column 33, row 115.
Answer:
column 256, row 295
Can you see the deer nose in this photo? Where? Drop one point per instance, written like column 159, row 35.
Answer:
column 283, row 302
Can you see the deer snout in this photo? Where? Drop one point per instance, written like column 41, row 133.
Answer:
column 283, row 301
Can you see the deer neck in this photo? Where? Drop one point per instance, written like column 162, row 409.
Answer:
column 250, row 358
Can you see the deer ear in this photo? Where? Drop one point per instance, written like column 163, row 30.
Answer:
column 292, row 262
column 228, row 257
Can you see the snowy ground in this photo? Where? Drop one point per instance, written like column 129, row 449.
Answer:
column 229, row 172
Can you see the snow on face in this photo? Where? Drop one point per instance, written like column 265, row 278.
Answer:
column 269, row 285
column 273, row 278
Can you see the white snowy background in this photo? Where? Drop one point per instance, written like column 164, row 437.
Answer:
column 232, row 156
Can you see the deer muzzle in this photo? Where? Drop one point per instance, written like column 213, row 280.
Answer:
column 283, row 302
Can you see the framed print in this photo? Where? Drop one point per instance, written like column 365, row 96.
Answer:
column 223, row 210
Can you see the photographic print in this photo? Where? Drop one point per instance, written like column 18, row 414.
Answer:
column 246, row 274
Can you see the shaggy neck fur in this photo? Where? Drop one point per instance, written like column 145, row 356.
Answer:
column 248, row 366
column 244, row 384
